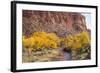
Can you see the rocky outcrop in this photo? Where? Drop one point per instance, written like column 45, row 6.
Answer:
column 61, row 23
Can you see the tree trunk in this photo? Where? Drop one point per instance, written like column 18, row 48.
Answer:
column 74, row 55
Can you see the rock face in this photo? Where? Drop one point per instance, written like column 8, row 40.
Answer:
column 61, row 23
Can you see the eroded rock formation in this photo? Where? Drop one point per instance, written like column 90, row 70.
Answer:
column 61, row 23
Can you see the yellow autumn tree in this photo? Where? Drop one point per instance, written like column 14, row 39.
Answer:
column 54, row 41
column 68, row 41
column 85, row 38
column 28, row 44
column 41, row 40
column 77, row 41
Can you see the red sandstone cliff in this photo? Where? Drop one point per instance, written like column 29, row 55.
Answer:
column 61, row 23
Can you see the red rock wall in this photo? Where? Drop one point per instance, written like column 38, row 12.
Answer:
column 61, row 23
